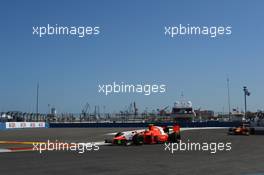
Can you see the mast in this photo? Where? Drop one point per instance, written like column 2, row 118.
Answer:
column 228, row 96
column 37, row 103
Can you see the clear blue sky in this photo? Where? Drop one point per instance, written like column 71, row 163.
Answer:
column 130, row 48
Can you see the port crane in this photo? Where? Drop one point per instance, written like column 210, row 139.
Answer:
column 85, row 112
column 163, row 112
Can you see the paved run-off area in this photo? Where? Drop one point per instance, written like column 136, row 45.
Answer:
column 245, row 158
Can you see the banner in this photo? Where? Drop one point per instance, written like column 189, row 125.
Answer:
column 11, row 125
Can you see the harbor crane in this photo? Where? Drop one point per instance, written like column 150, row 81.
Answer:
column 85, row 112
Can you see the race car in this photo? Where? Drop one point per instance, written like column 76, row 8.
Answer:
column 152, row 135
column 244, row 129
column 124, row 138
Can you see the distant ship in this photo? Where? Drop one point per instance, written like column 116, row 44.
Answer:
column 183, row 111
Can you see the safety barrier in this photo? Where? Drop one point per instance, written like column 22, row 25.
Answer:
column 134, row 125
column 22, row 125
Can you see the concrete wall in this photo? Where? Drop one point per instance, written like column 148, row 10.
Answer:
column 132, row 125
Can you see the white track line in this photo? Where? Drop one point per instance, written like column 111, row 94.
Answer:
column 203, row 128
column 101, row 143
column 114, row 133
column 182, row 129
column 5, row 150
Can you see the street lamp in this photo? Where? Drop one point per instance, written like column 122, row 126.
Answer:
column 246, row 93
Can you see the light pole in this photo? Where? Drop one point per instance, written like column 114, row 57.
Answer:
column 228, row 98
column 246, row 93
column 37, row 103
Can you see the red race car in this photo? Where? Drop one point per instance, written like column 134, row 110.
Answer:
column 244, row 129
column 152, row 135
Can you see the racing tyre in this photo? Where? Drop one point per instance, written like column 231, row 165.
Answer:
column 156, row 140
column 252, row 131
column 247, row 133
column 138, row 139
column 174, row 137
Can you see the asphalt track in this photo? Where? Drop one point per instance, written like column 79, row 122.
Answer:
column 245, row 158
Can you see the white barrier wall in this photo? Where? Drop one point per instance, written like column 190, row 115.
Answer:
column 12, row 125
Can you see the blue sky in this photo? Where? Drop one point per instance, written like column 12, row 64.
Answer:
column 131, row 48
